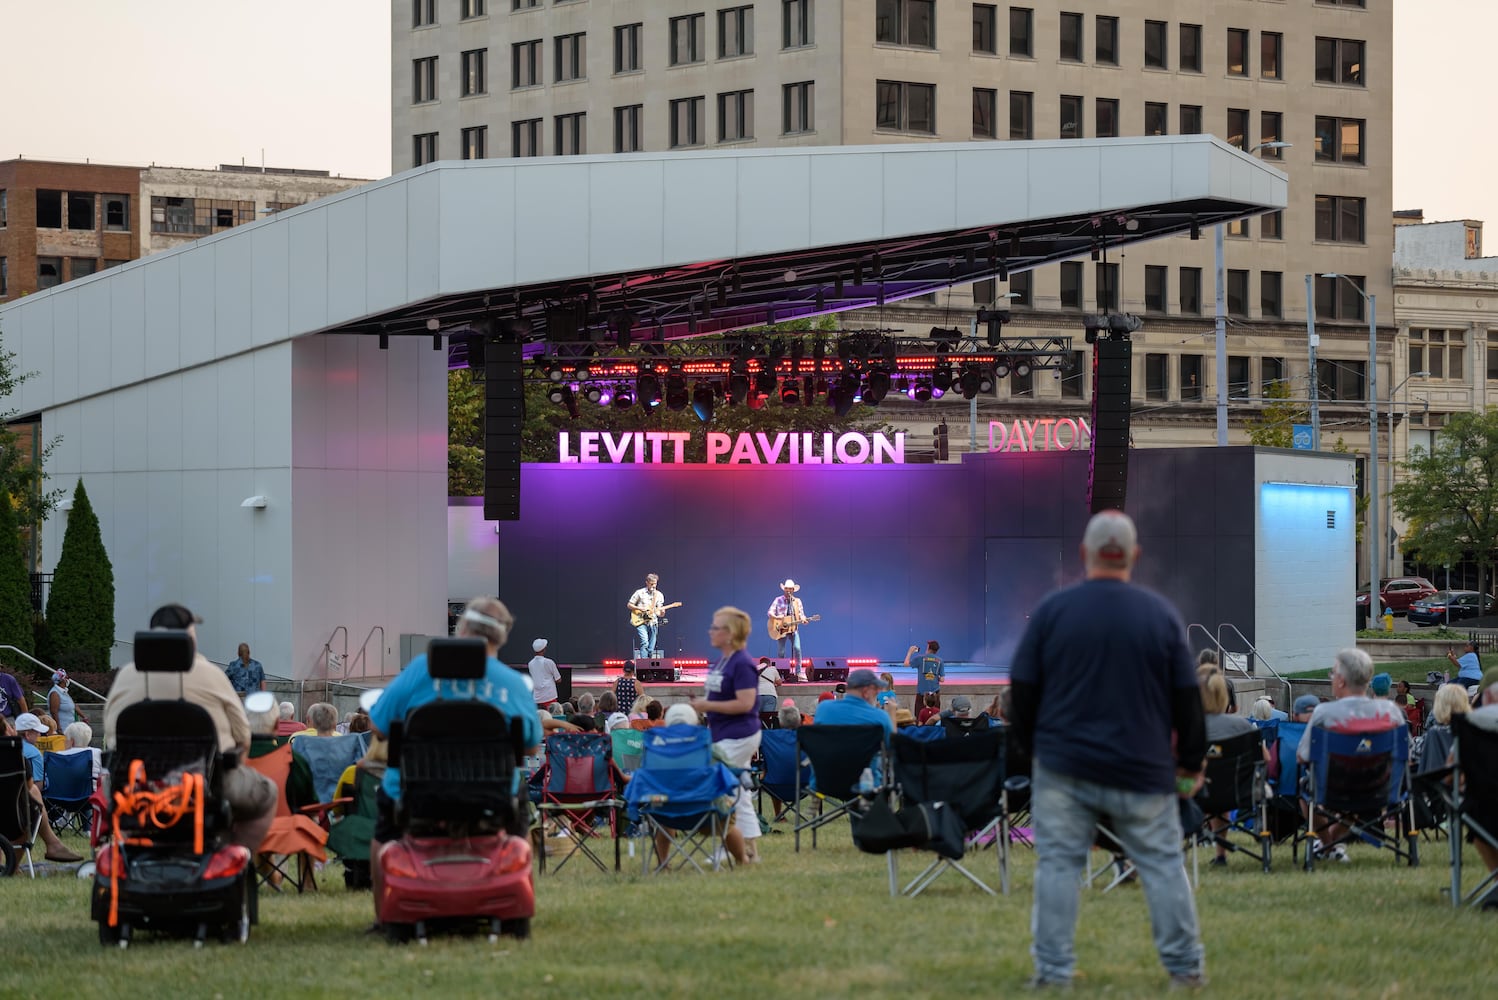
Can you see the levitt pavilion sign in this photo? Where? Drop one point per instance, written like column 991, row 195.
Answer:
column 757, row 448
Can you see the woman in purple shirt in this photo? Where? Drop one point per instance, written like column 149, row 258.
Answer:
column 730, row 707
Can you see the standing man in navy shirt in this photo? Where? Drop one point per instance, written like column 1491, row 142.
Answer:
column 1105, row 700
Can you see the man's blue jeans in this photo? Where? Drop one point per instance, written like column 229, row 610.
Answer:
column 1066, row 811
column 645, row 640
column 795, row 640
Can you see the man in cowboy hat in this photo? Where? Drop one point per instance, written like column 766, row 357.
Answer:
column 787, row 607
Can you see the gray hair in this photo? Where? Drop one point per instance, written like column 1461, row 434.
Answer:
column 1110, row 541
column 79, row 734
column 486, row 618
column 286, row 710
column 1263, row 710
column 264, row 723
column 322, row 717
column 1356, row 668
column 585, row 703
column 790, row 717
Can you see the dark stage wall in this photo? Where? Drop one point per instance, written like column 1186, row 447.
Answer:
column 889, row 555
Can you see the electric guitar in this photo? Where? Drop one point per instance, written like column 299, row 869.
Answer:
column 784, row 625
column 649, row 615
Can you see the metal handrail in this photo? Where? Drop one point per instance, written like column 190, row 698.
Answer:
column 327, row 651
column 49, row 670
column 1289, row 688
column 1222, row 652
column 361, row 658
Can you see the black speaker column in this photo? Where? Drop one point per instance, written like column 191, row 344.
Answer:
column 504, row 417
column 1108, row 464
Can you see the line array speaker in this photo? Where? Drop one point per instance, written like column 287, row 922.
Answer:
column 504, row 418
column 1108, row 462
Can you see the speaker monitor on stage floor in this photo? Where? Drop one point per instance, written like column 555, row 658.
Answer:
column 829, row 668
column 564, row 683
column 657, row 671
column 787, row 667
column 504, row 419
column 1108, row 462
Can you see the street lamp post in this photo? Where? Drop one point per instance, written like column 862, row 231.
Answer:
column 1375, row 543
column 1389, row 496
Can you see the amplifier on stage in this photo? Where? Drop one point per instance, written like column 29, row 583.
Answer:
column 787, row 665
column 828, row 668
column 657, row 671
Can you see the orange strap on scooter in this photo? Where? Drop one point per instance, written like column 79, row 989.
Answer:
column 162, row 809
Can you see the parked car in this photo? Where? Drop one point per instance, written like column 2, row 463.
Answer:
column 1398, row 593
column 1449, row 606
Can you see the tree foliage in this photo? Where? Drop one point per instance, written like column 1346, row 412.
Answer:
column 465, row 434
column 1274, row 427
column 80, row 603
column 1449, row 494
column 16, row 615
column 19, row 475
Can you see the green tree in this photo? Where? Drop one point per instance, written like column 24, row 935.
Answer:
column 1274, row 427
column 1449, row 494
column 16, row 615
column 20, row 476
column 465, row 434
column 80, row 603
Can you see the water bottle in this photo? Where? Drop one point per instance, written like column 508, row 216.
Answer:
column 866, row 783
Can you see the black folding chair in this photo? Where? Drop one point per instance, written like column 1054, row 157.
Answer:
column 1472, row 801
column 838, row 756
column 20, row 816
column 1235, row 791
column 967, row 774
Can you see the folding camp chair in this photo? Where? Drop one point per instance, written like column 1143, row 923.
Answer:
column 684, row 797
column 1360, row 780
column 926, row 734
column 1236, row 791
column 782, row 759
column 69, row 783
column 291, row 836
column 328, row 757
column 967, row 774
column 20, row 818
column 838, row 756
column 954, row 726
column 578, row 786
column 628, row 748
column 1123, row 868
column 1472, row 801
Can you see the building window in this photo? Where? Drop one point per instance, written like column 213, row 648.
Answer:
column 1071, row 284
column 1239, row 381
column 1105, row 117
column 571, row 57
column 475, row 72
column 4, row 209
column 1271, row 373
column 1237, row 293
column 905, row 22
column 1021, row 32
column 1191, row 291
column 48, row 209
column 1341, row 379
column 524, row 4
column 423, row 150
column 423, row 13
column 799, row 113
column 985, row 109
column 1154, row 288
column 1238, row 228
column 1156, row 44
column 475, row 142
column 525, row 64
column 423, row 80
column 570, row 134
column 1271, row 124
column 736, row 116
column 1237, row 52
column 81, row 211
column 1071, row 117
column 796, row 24
column 687, row 39
column 686, row 122
column 1339, row 140
column 48, row 272
column 627, row 129
column 1339, row 298
column 1191, row 378
column 1021, row 117
column 905, row 107
column 1272, row 226
column 1237, row 134
column 1191, row 48
column 1107, row 287
column 1191, row 119
column 1105, row 42
column 985, row 28
column 984, row 292
column 1492, row 355
column 1342, row 3
column 627, row 48
column 735, row 32
column 472, row 9
column 1338, row 219
column 1440, row 353
column 1156, row 376
column 4, row 277
column 1271, row 295
column 198, row 216
column 525, row 138
column 1271, row 55
column 1340, row 60
column 1155, row 118
column 1072, row 375
column 1021, row 289
column 1071, row 37
column 82, row 267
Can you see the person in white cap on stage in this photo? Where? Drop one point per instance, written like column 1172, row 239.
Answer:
column 786, row 617
column 544, row 675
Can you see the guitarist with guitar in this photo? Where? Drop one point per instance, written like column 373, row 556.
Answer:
column 786, row 618
column 647, row 607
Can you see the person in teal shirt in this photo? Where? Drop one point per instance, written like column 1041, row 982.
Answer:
column 929, row 671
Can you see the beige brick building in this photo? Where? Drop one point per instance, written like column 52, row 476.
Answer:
column 500, row 78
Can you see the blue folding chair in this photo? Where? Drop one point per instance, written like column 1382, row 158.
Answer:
column 1360, row 780
column 328, row 757
column 778, row 751
column 924, row 734
column 683, row 799
column 69, row 783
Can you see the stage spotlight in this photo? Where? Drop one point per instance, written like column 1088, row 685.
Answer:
column 922, row 392
column 555, row 395
column 738, row 389
column 848, row 383
column 554, row 372
column 624, row 397
column 1022, row 369
column 841, row 400
column 985, row 382
column 809, row 390
column 941, row 379
column 877, row 388
column 1001, row 370
column 563, row 394
column 703, row 398
column 676, row 393
column 790, row 395
column 764, row 383
column 969, row 383
column 593, row 394
column 649, row 388
column 937, row 393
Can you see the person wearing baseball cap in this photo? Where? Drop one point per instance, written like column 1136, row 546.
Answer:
column 1304, row 706
column 544, row 675
column 30, row 728
column 856, row 708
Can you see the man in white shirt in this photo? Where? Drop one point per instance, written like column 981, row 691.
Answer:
column 645, row 607
column 544, row 675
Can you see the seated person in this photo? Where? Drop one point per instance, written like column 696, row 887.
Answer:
column 79, row 738
column 322, row 720
column 286, row 724
column 357, row 722
column 54, row 741
column 637, row 708
column 300, row 790
column 857, row 706
column 251, row 796
column 930, row 708
column 586, row 707
column 790, row 715
column 654, row 716
column 607, row 706
column 1264, row 710
column 508, row 690
column 31, row 728
column 903, row 719
column 886, row 688
column 1485, row 716
column 1220, row 726
column 1451, row 699
column 683, row 714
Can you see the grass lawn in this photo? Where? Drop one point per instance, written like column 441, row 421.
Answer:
column 817, row 924
column 1413, row 671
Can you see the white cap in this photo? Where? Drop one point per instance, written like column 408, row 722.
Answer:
column 682, row 714
column 27, row 722
column 615, row 721
column 538, row 645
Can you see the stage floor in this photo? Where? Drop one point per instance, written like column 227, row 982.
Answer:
column 957, row 675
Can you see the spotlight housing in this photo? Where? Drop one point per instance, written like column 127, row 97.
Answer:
column 738, row 389
column 969, row 383
column 703, row 398
column 676, row 393
column 790, row 394
column 877, row 388
column 624, row 397
column 922, row 392
column 649, row 388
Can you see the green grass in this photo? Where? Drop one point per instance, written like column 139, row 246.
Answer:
column 817, row 924
column 1413, row 671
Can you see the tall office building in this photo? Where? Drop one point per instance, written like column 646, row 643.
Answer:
column 501, row 78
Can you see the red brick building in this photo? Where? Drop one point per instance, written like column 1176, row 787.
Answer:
column 60, row 221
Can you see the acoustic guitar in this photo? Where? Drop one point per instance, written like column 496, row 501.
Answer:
column 637, row 617
column 783, row 625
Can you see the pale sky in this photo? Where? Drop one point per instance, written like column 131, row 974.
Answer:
column 306, row 83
